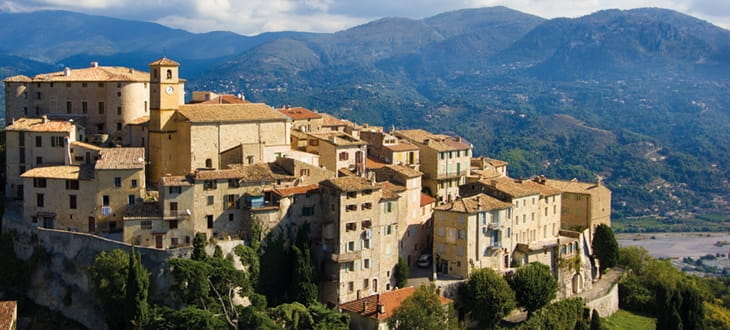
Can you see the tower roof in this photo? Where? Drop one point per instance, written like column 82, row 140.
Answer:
column 164, row 62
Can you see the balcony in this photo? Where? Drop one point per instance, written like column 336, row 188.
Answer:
column 345, row 257
column 176, row 214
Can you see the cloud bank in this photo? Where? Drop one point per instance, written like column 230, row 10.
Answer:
column 252, row 17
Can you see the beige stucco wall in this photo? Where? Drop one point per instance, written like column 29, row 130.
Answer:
column 56, row 200
column 118, row 196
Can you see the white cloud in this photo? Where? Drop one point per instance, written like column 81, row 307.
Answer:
column 256, row 16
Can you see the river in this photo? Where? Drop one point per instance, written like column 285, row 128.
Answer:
column 677, row 245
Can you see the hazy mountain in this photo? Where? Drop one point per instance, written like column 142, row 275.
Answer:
column 638, row 97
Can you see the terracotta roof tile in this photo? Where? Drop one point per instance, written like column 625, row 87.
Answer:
column 300, row 113
column 244, row 112
column 402, row 147
column 120, row 158
column 438, row 142
column 338, row 138
column 426, row 199
column 165, row 62
column 175, row 181
column 40, row 125
column 406, row 170
column 8, row 314
column 390, row 300
column 391, row 190
column 140, row 120
column 247, row 173
column 574, row 186
column 512, row 187
column 86, row 145
column 68, row 172
column 472, row 204
column 99, row 73
column 374, row 163
column 224, row 99
column 300, row 190
column 18, row 78
column 351, row 183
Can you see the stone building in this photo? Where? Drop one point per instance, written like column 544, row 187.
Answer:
column 303, row 119
column 585, row 205
column 472, row 233
column 104, row 99
column 445, row 162
column 390, row 149
column 359, row 239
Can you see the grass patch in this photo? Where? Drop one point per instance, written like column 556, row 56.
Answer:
column 627, row 320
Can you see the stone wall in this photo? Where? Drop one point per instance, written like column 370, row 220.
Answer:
column 607, row 304
column 60, row 280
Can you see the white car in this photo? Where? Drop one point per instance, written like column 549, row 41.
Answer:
column 424, row 260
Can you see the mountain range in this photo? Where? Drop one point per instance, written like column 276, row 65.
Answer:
column 638, row 98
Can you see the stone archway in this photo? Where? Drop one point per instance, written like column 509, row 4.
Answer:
column 577, row 283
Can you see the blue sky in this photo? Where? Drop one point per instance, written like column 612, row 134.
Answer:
column 252, row 17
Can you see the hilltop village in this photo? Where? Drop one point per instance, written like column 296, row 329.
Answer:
column 116, row 152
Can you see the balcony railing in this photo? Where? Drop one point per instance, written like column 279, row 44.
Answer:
column 176, row 214
column 345, row 257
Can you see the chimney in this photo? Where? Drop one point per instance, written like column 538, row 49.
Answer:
column 44, row 119
column 458, row 139
column 381, row 309
column 365, row 305
column 66, row 72
column 95, row 64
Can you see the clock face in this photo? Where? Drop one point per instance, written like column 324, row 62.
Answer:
column 169, row 90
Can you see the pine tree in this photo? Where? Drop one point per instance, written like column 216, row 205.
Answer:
column 138, row 281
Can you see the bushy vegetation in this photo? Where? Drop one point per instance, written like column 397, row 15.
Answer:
column 423, row 310
column 534, row 286
column 605, row 247
column 486, row 297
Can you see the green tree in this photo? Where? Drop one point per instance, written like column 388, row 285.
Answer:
column 303, row 287
column 135, row 302
column 605, row 247
column 401, row 273
column 328, row 319
column 534, row 286
column 423, row 310
column 199, row 243
column 292, row 316
column 109, row 276
column 250, row 260
column 252, row 318
column 487, row 297
column 596, row 321
column 275, row 275
column 634, row 258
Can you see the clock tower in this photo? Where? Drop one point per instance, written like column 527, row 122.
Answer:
column 166, row 95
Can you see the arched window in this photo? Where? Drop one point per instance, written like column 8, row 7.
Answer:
column 208, row 163
column 169, row 74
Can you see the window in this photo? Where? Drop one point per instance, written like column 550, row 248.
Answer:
column 39, row 182
column 39, row 160
column 366, row 243
column 173, row 242
column 118, row 182
column 351, row 207
column 366, row 206
column 308, row 211
column 84, row 105
column 388, row 207
column 366, row 224
column 344, row 155
column 210, row 184
column 119, row 111
column 172, row 224
column 366, row 264
column 169, row 74
column 367, row 192
column 40, row 200
column 38, row 141
column 72, row 202
column 229, row 202
column 208, row 163
column 366, row 283
column 233, row 183
column 388, row 229
column 72, row 184
column 146, row 224
column 230, row 217
column 350, row 246
column 211, row 200
column 351, row 194
column 119, row 126
column 461, row 234
column 21, row 140
column 350, row 286
column 39, row 95
column 134, row 184
column 349, row 266
column 68, row 106
column 209, row 220
column 57, row 141
column 350, row 226
column 105, row 200
column 174, row 190
column 131, row 199
column 101, row 108
column 100, row 128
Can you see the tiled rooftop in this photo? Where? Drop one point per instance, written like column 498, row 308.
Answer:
column 300, row 113
column 338, row 138
column 438, row 142
column 175, row 181
column 513, row 187
column 246, row 173
column 390, row 300
column 351, row 183
column 68, row 172
column 426, row 199
column 98, row 73
column 300, row 190
column 8, row 314
column 224, row 99
column 120, row 158
column 165, row 62
column 472, row 204
column 244, row 112
column 402, row 147
column 574, row 186
column 85, row 145
column 405, row 170
column 391, row 190
column 40, row 125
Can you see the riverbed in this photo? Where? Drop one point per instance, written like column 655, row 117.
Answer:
column 677, row 245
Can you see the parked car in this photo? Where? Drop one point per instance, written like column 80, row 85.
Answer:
column 424, row 260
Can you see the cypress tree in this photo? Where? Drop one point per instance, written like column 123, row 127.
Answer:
column 596, row 321
column 303, row 288
column 605, row 247
column 138, row 281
